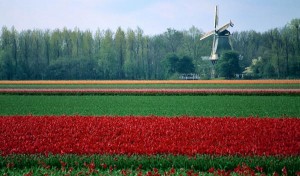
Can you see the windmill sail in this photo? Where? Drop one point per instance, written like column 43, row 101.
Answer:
column 223, row 28
column 221, row 37
column 208, row 34
column 216, row 17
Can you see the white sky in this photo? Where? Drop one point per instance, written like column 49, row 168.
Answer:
column 153, row 16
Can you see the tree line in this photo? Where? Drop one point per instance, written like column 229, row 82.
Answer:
column 271, row 54
column 130, row 54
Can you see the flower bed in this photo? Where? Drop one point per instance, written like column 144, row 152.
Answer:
column 157, row 165
column 152, row 82
column 154, row 91
column 149, row 135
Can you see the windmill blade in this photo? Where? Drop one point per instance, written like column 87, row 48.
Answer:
column 223, row 28
column 216, row 17
column 207, row 34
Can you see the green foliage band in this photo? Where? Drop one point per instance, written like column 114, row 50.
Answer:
column 103, row 163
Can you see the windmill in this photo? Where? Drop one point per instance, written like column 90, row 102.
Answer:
column 221, row 38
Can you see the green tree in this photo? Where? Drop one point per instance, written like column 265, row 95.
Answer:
column 56, row 44
column 8, row 53
column 130, row 64
column 37, row 59
column 76, row 40
column 98, row 43
column 87, row 45
column 120, row 44
column 295, row 23
column 185, row 65
column 6, row 66
column 108, row 62
column 14, row 38
column 295, row 61
column 171, row 63
column 140, row 53
column 174, row 40
column 66, row 44
column 192, row 44
column 47, row 46
column 25, row 59
column 286, row 38
column 159, row 51
column 276, row 50
column 147, row 58
column 249, row 44
column 228, row 64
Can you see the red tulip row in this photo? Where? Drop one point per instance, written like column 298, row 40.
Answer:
column 155, row 91
column 149, row 135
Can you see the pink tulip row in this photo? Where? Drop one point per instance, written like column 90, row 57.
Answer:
column 155, row 91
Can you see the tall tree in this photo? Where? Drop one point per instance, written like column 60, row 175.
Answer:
column 98, row 42
column 192, row 43
column 14, row 38
column 148, row 58
column 140, row 53
column 174, row 39
column 159, row 51
column 295, row 23
column 277, row 50
column 25, row 47
column 286, row 38
column 120, row 44
column 47, row 46
column 56, row 44
column 130, row 64
column 6, row 55
column 108, row 62
column 87, row 44
column 38, row 61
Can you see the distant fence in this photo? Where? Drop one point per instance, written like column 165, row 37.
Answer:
column 189, row 76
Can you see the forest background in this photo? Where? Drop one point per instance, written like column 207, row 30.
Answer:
column 72, row 54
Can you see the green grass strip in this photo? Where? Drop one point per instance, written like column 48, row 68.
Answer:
column 200, row 163
column 213, row 105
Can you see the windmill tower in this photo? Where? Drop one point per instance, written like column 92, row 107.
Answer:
column 221, row 38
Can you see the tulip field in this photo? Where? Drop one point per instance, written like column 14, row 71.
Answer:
column 212, row 127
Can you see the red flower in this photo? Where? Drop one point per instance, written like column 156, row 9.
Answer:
column 259, row 169
column 149, row 135
column 211, row 170
column 284, row 171
column 103, row 165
